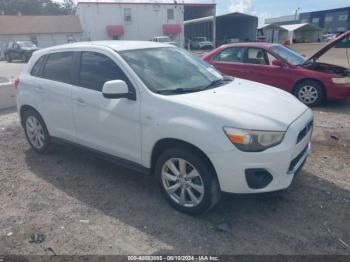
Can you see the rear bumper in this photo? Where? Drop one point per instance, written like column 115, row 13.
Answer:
column 281, row 162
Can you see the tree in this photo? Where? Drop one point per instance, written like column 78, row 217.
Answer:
column 37, row 7
column 69, row 7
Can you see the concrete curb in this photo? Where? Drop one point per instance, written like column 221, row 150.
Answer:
column 7, row 95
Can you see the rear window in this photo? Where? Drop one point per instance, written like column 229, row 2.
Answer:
column 58, row 67
column 37, row 68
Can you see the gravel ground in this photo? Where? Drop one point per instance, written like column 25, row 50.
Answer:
column 85, row 205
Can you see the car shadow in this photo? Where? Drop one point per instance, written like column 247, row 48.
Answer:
column 308, row 218
column 335, row 106
column 9, row 110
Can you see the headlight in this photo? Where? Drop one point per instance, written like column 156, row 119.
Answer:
column 341, row 81
column 253, row 140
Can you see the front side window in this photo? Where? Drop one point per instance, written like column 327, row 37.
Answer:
column 58, row 67
column 256, row 56
column 288, row 55
column 36, row 71
column 231, row 54
column 96, row 69
column 170, row 69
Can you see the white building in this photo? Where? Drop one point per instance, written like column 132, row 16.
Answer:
column 102, row 20
column 294, row 33
column 44, row 31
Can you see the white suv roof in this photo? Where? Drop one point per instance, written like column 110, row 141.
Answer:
column 116, row 45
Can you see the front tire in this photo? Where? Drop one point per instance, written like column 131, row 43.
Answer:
column 310, row 92
column 187, row 181
column 36, row 131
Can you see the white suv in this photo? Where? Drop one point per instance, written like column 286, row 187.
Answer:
column 159, row 109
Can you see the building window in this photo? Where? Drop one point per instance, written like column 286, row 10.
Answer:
column 34, row 39
column 127, row 15
column 341, row 29
column 305, row 20
column 343, row 17
column 171, row 15
column 329, row 19
column 315, row 20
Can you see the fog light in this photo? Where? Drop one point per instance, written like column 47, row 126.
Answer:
column 258, row 178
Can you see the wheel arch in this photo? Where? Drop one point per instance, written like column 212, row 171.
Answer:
column 310, row 79
column 25, row 108
column 167, row 143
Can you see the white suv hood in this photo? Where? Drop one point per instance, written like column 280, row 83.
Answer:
column 247, row 104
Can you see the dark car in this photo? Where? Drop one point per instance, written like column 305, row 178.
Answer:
column 311, row 81
column 19, row 50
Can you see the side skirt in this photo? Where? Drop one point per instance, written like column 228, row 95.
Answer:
column 111, row 158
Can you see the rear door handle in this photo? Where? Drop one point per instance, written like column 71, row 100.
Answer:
column 79, row 101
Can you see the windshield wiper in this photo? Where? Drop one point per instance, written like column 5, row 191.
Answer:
column 219, row 82
column 178, row 91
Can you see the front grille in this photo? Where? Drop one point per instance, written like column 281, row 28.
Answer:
column 303, row 133
column 296, row 160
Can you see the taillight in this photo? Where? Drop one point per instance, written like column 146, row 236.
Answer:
column 17, row 83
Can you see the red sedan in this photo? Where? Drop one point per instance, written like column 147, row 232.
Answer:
column 273, row 64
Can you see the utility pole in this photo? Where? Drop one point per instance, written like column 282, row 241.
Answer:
column 296, row 13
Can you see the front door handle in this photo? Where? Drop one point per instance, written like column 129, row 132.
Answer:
column 79, row 101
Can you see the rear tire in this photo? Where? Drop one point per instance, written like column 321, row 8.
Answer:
column 310, row 92
column 36, row 131
column 187, row 181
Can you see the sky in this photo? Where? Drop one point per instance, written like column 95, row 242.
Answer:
column 266, row 8
column 273, row 8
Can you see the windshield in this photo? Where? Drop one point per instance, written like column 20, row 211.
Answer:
column 164, row 39
column 289, row 55
column 170, row 69
column 26, row 44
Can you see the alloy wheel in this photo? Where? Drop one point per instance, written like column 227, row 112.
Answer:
column 35, row 132
column 308, row 94
column 182, row 182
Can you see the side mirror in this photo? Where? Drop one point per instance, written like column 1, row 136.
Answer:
column 117, row 89
column 277, row 63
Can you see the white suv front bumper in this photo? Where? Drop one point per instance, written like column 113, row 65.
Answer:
column 281, row 162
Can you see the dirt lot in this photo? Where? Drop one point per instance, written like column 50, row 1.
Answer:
column 84, row 205
column 335, row 56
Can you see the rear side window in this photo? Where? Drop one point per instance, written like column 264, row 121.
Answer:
column 58, row 67
column 37, row 68
column 232, row 54
column 96, row 69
